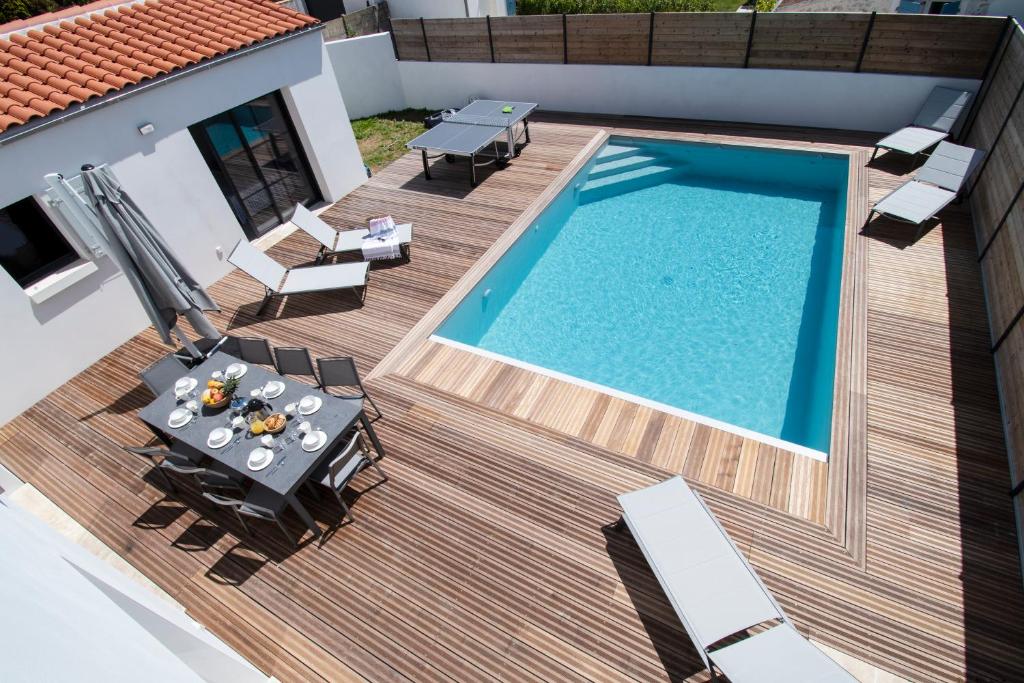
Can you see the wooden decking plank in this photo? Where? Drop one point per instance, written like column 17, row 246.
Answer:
column 485, row 556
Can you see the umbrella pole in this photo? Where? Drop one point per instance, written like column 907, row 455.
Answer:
column 186, row 342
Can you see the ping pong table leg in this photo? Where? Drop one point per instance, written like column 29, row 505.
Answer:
column 526, row 127
column 426, row 165
column 472, row 170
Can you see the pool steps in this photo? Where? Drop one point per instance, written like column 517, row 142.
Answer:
column 623, row 168
column 613, row 152
column 627, row 163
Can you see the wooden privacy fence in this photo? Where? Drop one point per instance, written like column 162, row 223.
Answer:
column 372, row 19
column 932, row 45
column 998, row 210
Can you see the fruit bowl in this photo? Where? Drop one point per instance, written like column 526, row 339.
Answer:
column 209, row 401
column 218, row 394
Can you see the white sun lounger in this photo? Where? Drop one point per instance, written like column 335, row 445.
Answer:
column 934, row 123
column 281, row 281
column 333, row 242
column 934, row 186
column 716, row 593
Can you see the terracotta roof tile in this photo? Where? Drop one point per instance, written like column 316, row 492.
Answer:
column 48, row 68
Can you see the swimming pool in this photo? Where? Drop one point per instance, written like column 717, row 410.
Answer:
column 703, row 278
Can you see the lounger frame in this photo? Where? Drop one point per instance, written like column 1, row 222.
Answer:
column 652, row 509
column 331, row 239
column 358, row 290
column 274, row 277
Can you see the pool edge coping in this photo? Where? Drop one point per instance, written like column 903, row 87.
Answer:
column 846, row 483
column 636, row 398
column 426, row 325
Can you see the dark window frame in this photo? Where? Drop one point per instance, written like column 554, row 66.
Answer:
column 52, row 265
column 230, row 189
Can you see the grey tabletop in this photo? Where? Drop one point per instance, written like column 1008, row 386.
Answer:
column 291, row 464
column 473, row 127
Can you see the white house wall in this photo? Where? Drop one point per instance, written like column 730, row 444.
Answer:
column 49, row 342
column 321, row 120
column 1002, row 8
column 73, row 617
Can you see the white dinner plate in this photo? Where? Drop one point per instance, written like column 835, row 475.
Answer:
column 321, row 439
column 273, row 389
column 179, row 417
column 185, row 385
column 255, row 464
column 317, row 402
column 236, row 370
column 219, row 437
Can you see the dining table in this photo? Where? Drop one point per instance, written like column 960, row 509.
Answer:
column 291, row 464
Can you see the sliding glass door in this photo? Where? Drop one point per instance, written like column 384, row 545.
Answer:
column 254, row 154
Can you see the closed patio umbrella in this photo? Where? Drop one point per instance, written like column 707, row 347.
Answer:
column 161, row 281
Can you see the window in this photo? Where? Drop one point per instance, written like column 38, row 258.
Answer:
column 31, row 247
column 944, row 8
column 257, row 161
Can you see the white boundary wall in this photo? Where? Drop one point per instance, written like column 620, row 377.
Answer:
column 367, row 74
column 372, row 82
column 819, row 99
column 438, row 9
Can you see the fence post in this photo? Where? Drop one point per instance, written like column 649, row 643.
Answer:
column 650, row 42
column 426, row 45
column 750, row 38
column 394, row 43
column 1008, row 330
column 991, row 69
column 490, row 37
column 867, row 37
column 565, row 42
column 1002, row 222
column 995, row 140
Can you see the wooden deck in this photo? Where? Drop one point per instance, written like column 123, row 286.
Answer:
column 484, row 556
column 773, row 474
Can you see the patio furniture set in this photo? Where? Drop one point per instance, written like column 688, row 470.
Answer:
column 306, row 437
column 947, row 169
column 382, row 240
column 735, row 624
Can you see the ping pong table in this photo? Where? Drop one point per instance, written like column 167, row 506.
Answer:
column 472, row 129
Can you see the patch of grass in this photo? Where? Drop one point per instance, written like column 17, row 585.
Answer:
column 382, row 137
column 730, row 5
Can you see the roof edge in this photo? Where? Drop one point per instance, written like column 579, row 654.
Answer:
column 16, row 132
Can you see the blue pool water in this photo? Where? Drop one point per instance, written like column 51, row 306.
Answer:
column 700, row 276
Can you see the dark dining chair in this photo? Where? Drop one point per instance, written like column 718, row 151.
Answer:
column 255, row 350
column 341, row 372
column 166, row 460
column 161, row 375
column 295, row 360
column 186, row 462
column 337, row 473
column 261, row 503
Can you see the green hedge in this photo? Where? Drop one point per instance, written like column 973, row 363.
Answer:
column 611, row 6
column 11, row 10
